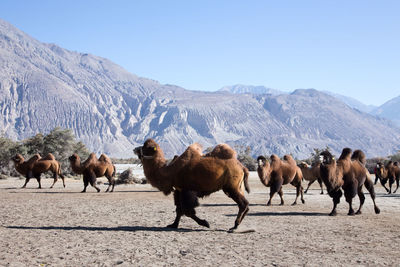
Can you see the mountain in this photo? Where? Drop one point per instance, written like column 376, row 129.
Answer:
column 389, row 110
column 250, row 89
column 111, row 110
column 354, row 103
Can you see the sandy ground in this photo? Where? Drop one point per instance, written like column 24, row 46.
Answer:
column 62, row 227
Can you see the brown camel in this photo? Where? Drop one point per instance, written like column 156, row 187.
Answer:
column 390, row 172
column 37, row 165
column 192, row 175
column 280, row 172
column 311, row 174
column 92, row 168
column 347, row 173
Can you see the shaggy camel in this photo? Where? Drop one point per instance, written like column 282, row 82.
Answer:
column 390, row 172
column 92, row 168
column 311, row 174
column 192, row 175
column 347, row 173
column 280, row 172
column 37, row 165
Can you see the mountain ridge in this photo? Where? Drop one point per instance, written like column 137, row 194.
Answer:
column 111, row 110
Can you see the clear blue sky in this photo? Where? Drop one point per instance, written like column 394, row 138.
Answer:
column 348, row 47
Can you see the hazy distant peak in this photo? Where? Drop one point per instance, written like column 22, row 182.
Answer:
column 250, row 89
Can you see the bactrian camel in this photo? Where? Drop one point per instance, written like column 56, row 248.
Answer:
column 280, row 172
column 193, row 175
column 37, row 165
column 92, row 168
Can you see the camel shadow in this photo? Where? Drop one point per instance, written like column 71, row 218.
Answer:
column 290, row 213
column 112, row 229
column 226, row 205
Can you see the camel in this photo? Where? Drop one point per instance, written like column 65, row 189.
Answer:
column 311, row 174
column 193, row 175
column 390, row 172
column 37, row 165
column 280, row 172
column 349, row 174
column 92, row 168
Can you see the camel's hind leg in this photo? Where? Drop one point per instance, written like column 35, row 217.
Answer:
column 242, row 203
column 111, row 183
column 397, row 185
column 362, row 199
column 63, row 179
column 55, row 177
column 370, row 187
column 299, row 190
column 308, row 186
column 280, row 193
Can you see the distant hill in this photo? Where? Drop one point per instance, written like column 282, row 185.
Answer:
column 354, row 103
column 111, row 110
column 389, row 110
column 250, row 89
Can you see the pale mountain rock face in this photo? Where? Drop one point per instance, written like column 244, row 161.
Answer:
column 390, row 110
column 111, row 110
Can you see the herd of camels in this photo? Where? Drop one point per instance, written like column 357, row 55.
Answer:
column 194, row 174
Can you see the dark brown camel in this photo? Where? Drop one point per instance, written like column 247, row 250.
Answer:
column 280, row 172
column 37, row 165
column 311, row 174
column 348, row 173
column 92, row 168
column 390, row 172
column 192, row 175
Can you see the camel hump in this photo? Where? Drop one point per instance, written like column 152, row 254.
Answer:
column 105, row 158
column 34, row 158
column 49, row 156
column 192, row 151
column 289, row 159
column 274, row 158
column 223, row 151
column 360, row 156
column 90, row 160
column 346, row 153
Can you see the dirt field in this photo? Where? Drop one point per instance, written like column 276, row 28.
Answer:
column 62, row 227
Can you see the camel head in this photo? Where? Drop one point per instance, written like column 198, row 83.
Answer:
column 149, row 150
column 263, row 169
column 303, row 165
column 326, row 157
column 18, row 158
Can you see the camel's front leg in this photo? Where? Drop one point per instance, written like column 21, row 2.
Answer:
column 177, row 200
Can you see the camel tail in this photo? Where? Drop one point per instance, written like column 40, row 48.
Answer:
column 246, row 179
column 114, row 172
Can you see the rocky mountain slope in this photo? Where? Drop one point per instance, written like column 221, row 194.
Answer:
column 389, row 110
column 43, row 86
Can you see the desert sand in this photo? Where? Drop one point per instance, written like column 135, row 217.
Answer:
column 63, row 227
